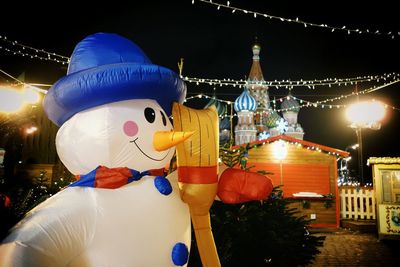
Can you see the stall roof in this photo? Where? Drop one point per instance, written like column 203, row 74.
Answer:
column 384, row 160
column 310, row 145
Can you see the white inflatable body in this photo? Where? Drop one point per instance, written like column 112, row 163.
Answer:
column 134, row 225
column 131, row 226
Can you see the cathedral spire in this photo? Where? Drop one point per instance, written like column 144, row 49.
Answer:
column 258, row 88
column 255, row 71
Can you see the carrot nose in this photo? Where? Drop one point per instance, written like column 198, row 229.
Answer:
column 162, row 140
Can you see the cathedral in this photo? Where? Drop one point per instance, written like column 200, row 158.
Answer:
column 256, row 119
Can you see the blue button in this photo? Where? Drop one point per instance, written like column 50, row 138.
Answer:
column 163, row 185
column 180, row 254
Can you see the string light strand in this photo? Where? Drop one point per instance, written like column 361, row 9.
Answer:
column 290, row 84
column 16, row 48
column 391, row 34
column 304, row 103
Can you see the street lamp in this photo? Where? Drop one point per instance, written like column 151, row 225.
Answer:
column 280, row 152
column 10, row 100
column 364, row 115
column 14, row 99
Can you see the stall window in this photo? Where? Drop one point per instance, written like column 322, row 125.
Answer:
column 391, row 186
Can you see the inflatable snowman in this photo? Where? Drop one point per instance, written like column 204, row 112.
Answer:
column 112, row 108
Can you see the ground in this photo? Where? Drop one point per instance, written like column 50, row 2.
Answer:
column 351, row 248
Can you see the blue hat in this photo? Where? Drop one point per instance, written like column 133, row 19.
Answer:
column 106, row 68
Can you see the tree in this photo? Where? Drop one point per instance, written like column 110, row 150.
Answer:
column 259, row 233
column 25, row 195
column 263, row 233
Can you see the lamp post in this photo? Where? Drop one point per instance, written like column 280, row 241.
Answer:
column 345, row 171
column 364, row 115
column 280, row 152
column 360, row 153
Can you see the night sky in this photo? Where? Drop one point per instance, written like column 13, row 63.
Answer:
column 217, row 44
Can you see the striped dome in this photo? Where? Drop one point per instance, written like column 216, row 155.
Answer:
column 272, row 120
column 291, row 104
column 245, row 102
column 221, row 108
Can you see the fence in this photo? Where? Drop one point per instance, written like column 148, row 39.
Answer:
column 357, row 203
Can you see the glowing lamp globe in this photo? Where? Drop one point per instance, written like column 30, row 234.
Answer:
column 280, row 150
column 10, row 100
column 365, row 114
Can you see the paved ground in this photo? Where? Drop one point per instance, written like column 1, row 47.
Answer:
column 350, row 248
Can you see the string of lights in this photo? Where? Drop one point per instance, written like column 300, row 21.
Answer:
column 255, row 14
column 322, row 103
column 305, row 144
column 290, row 84
column 32, row 52
column 16, row 48
column 305, row 103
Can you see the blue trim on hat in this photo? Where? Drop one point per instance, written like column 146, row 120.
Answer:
column 111, row 83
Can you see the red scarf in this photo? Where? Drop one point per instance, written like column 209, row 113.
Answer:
column 103, row 177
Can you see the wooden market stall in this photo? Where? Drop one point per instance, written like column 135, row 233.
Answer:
column 386, row 180
column 308, row 175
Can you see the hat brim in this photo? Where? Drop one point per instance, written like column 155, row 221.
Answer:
column 111, row 83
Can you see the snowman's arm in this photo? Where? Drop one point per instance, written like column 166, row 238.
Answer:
column 238, row 186
column 52, row 234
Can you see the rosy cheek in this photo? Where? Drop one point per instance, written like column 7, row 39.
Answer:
column 131, row 128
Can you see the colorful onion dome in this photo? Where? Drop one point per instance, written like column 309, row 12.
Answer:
column 221, row 108
column 290, row 104
column 245, row 102
column 272, row 120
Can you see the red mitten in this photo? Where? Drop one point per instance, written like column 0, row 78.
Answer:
column 238, row 186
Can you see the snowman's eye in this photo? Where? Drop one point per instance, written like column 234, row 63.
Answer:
column 150, row 115
column 164, row 120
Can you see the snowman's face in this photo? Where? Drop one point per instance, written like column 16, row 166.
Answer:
column 140, row 131
column 119, row 134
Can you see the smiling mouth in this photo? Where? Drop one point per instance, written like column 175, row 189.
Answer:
column 134, row 141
